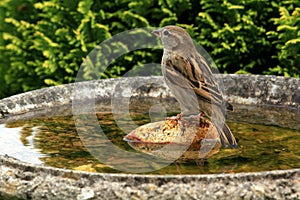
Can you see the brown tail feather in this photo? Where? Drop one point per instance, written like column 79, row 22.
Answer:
column 227, row 138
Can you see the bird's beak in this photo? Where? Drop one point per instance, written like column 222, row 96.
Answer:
column 157, row 33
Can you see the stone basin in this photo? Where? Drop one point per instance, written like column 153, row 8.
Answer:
column 21, row 180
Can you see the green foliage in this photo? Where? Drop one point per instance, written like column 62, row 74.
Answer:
column 232, row 32
column 287, row 43
column 44, row 46
column 235, row 34
column 43, row 43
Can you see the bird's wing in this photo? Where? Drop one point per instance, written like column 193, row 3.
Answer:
column 210, row 82
column 200, row 79
column 204, row 74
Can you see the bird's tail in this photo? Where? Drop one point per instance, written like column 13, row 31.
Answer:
column 227, row 138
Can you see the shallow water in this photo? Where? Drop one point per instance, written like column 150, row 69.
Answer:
column 263, row 144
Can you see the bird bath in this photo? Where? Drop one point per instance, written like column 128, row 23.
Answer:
column 48, row 160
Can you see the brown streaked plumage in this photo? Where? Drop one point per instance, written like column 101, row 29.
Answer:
column 191, row 80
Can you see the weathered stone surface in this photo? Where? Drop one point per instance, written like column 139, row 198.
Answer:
column 28, row 181
column 187, row 130
column 240, row 89
column 51, row 183
column 258, row 90
column 193, row 138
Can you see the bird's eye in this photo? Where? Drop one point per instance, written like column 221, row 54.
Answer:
column 166, row 33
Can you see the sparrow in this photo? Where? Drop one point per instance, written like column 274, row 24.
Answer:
column 190, row 79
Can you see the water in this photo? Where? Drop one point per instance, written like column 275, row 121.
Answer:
column 268, row 140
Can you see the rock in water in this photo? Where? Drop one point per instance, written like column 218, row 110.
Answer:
column 194, row 136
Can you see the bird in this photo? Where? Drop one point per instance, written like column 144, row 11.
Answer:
column 189, row 77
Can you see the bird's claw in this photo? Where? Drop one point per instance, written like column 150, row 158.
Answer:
column 182, row 126
column 177, row 117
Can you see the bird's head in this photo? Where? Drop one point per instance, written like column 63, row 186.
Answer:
column 175, row 38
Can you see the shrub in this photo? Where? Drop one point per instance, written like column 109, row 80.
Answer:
column 43, row 43
column 287, row 42
column 234, row 32
column 47, row 41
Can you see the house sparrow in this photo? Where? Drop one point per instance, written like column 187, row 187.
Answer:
column 190, row 79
